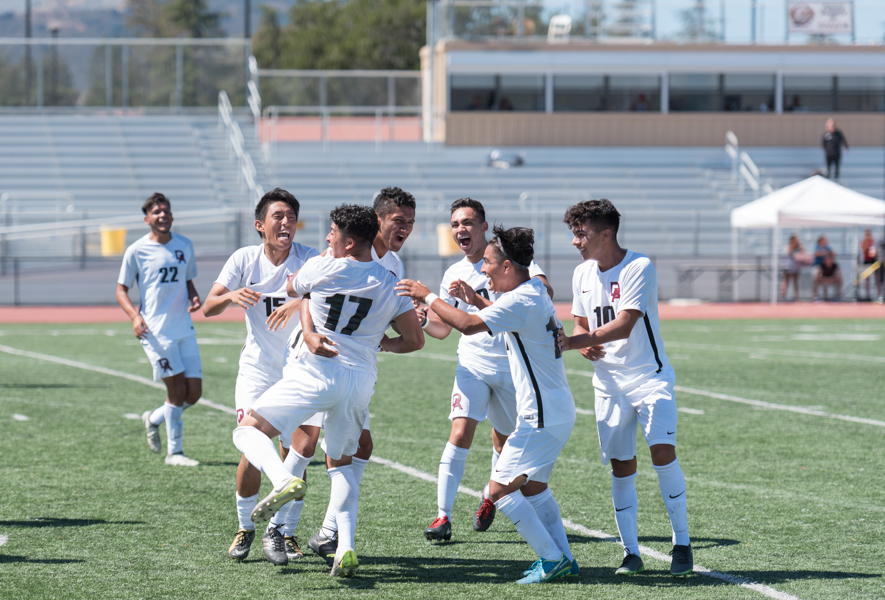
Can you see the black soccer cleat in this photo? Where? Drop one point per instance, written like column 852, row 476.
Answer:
column 682, row 564
column 293, row 550
column 275, row 547
column 239, row 548
column 323, row 546
column 484, row 516
column 439, row 530
column 631, row 565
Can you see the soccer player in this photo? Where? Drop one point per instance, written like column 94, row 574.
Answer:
column 396, row 218
column 483, row 386
column 525, row 315
column 616, row 325
column 163, row 264
column 255, row 277
column 354, row 303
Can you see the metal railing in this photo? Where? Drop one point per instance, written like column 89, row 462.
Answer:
column 236, row 144
column 751, row 176
column 733, row 150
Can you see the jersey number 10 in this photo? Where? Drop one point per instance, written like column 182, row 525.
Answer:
column 604, row 314
column 336, row 303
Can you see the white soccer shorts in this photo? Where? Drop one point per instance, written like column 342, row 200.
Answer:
column 479, row 394
column 651, row 404
column 531, row 452
column 314, row 386
column 172, row 358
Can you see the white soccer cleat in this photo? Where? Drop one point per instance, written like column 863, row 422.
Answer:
column 153, row 432
column 345, row 565
column 180, row 460
column 291, row 489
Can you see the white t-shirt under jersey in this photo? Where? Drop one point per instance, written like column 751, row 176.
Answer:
column 162, row 272
column 249, row 267
column 392, row 262
column 352, row 303
column 528, row 320
column 481, row 350
column 632, row 284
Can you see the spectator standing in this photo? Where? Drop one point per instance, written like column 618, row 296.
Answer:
column 868, row 255
column 829, row 274
column 796, row 259
column 833, row 141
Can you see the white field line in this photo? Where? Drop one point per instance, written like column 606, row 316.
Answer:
column 3, row 539
column 18, row 417
column 783, row 352
column 733, row 579
column 104, row 371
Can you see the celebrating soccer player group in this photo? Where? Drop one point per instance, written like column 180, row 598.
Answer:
column 320, row 373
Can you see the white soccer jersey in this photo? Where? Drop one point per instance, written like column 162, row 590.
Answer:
column 480, row 349
column 632, row 284
column 162, row 272
column 528, row 320
column 249, row 267
column 352, row 303
column 392, row 262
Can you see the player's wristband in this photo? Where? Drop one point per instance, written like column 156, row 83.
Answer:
column 428, row 300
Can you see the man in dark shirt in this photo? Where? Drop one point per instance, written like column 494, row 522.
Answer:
column 833, row 141
column 828, row 275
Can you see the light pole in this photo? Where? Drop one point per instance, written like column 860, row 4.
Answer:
column 53, row 76
column 27, row 52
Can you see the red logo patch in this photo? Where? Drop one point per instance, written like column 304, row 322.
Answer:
column 240, row 414
column 456, row 402
column 616, row 291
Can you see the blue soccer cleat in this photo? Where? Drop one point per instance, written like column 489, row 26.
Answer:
column 543, row 571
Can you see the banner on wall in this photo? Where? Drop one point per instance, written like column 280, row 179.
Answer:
column 820, row 18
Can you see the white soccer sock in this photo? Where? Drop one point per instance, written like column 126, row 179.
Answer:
column 330, row 527
column 174, row 428
column 626, row 504
column 187, row 405
column 495, row 456
column 159, row 414
column 451, row 471
column 260, row 451
column 343, row 500
column 673, row 491
column 290, row 513
column 547, row 509
column 244, row 511
column 523, row 516
column 359, row 467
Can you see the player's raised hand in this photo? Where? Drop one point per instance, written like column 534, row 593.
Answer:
column 415, row 290
column 318, row 344
column 593, row 352
column 244, row 297
column 281, row 316
column 195, row 304
column 139, row 327
column 461, row 290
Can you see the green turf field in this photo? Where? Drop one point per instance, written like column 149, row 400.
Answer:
column 793, row 501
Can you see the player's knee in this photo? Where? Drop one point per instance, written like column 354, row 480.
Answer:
column 662, row 454
column 366, row 445
column 194, row 390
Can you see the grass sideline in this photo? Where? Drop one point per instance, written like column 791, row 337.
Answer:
column 791, row 501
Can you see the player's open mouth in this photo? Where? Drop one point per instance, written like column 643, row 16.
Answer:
column 401, row 238
column 464, row 241
column 283, row 235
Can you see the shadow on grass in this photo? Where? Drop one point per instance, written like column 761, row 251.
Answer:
column 9, row 558
column 48, row 386
column 218, row 463
column 53, row 522
column 696, row 542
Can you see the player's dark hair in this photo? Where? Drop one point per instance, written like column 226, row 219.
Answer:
column 599, row 214
column 475, row 205
column 391, row 198
column 156, row 198
column 276, row 195
column 358, row 222
column 516, row 244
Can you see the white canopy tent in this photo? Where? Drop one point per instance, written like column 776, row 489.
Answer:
column 813, row 202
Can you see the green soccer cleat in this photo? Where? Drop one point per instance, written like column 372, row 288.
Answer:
column 292, row 489
column 631, row 565
column 345, row 565
column 682, row 564
column 543, row 571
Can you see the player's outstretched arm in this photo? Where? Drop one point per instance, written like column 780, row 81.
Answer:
column 460, row 320
column 193, row 296
column 433, row 326
column 220, row 298
column 139, row 327
column 593, row 352
column 617, row 329
column 411, row 336
column 283, row 314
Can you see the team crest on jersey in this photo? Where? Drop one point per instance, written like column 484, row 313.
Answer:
column 180, row 256
column 240, row 414
column 164, row 364
column 456, row 402
column 616, row 290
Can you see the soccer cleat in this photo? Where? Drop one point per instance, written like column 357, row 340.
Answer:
column 291, row 489
column 239, row 548
column 484, row 516
column 631, row 565
column 543, row 571
column 321, row 545
column 153, row 432
column 345, row 565
column 682, row 564
column 575, row 570
column 180, row 460
column 293, row 551
column 274, row 547
column 440, row 529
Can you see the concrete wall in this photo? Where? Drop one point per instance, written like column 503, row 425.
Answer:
column 654, row 129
